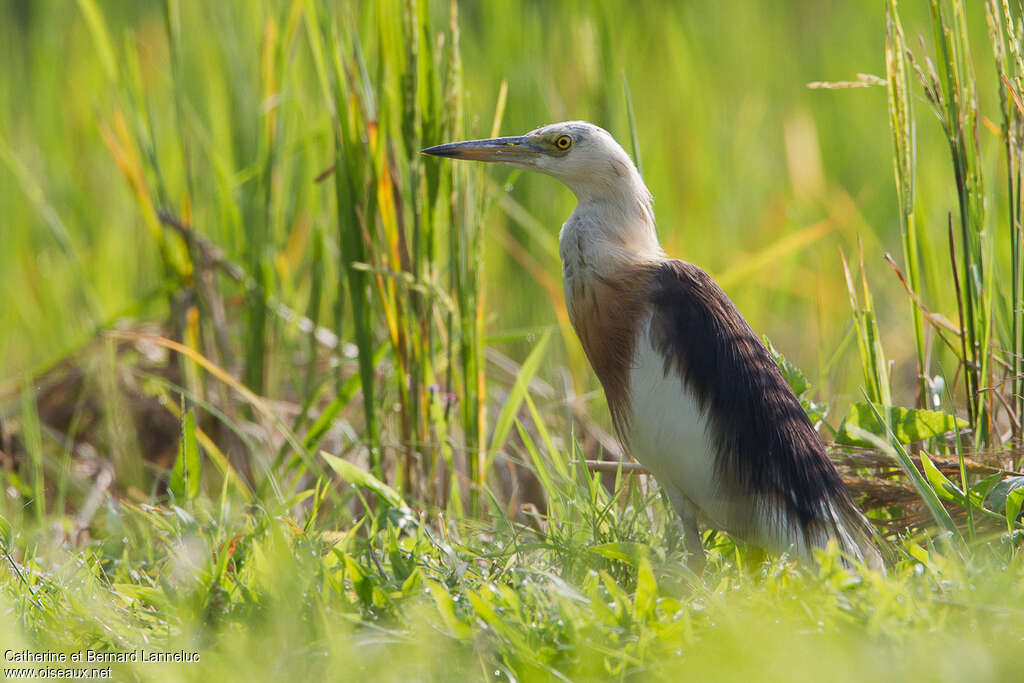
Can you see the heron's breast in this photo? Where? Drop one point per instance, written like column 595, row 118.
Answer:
column 607, row 311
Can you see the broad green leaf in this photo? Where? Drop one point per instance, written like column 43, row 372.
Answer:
column 363, row 479
column 908, row 425
column 412, row 582
column 980, row 491
column 486, row 610
column 795, row 377
column 599, row 605
column 621, row 601
column 646, row 591
column 919, row 553
column 1007, row 496
column 446, row 608
column 362, row 582
column 630, row 553
column 401, row 566
column 944, row 488
column 1013, row 505
column 185, row 477
column 147, row 594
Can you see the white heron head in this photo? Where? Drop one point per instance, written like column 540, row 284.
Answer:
column 585, row 157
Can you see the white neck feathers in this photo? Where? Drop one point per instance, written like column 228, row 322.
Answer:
column 612, row 227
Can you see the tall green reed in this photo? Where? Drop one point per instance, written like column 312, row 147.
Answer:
column 391, row 244
column 989, row 364
column 1005, row 36
column 903, row 128
column 411, row 242
column 989, row 355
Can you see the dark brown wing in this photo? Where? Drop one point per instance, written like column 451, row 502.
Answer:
column 767, row 447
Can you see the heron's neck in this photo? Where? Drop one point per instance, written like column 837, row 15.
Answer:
column 608, row 247
column 611, row 229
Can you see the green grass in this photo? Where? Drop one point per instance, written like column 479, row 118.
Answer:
column 261, row 594
column 279, row 391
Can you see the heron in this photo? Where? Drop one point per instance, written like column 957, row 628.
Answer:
column 694, row 394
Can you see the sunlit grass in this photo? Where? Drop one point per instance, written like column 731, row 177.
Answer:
column 597, row 595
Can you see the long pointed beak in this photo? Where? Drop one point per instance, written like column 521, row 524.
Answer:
column 509, row 150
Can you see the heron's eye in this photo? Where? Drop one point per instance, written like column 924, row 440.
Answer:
column 563, row 142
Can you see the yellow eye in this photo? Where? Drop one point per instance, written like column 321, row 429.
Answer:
column 563, row 142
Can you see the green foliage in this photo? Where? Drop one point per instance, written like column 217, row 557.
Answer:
column 1008, row 495
column 503, row 424
column 875, row 369
column 988, row 350
column 186, row 474
column 943, row 487
column 904, row 141
column 1006, row 49
column 592, row 594
column 363, row 479
column 907, row 425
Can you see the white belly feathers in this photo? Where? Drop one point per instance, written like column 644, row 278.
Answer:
column 668, row 434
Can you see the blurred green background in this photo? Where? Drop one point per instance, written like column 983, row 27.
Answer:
column 756, row 178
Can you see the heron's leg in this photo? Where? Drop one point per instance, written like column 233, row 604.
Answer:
column 687, row 512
